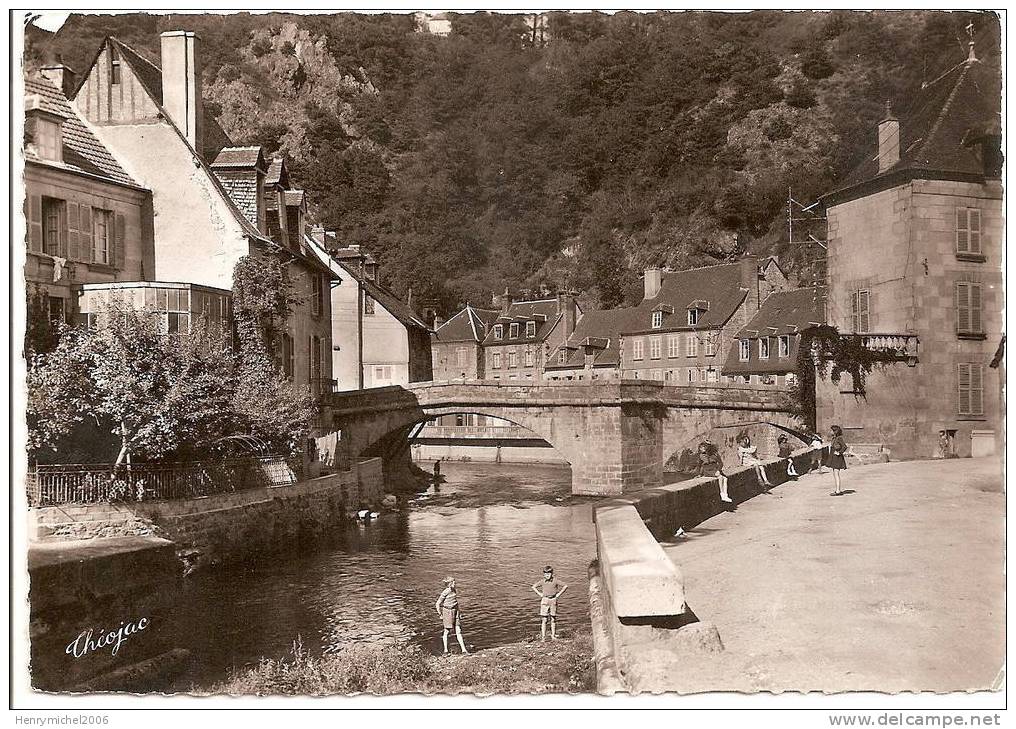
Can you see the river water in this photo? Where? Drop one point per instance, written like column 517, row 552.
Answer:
column 492, row 526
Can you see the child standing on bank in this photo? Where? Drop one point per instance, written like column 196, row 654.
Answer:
column 786, row 452
column 448, row 608
column 549, row 590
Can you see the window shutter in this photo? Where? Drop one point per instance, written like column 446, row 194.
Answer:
column 974, row 217
column 975, row 307
column 85, row 231
column 69, row 240
column 863, row 299
column 34, row 217
column 855, row 323
column 976, row 389
column 962, row 228
column 962, row 307
column 119, row 254
column 964, row 388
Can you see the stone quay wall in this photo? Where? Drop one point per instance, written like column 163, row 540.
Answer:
column 224, row 528
column 641, row 609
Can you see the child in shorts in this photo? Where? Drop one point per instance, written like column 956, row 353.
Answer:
column 549, row 590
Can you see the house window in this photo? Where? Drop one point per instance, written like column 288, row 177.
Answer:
column 690, row 345
column 710, row 345
column 530, row 357
column 530, row 328
column 744, row 350
column 288, row 355
column 692, row 374
column 382, row 374
column 859, row 311
column 315, row 294
column 368, row 305
column 513, row 330
column 968, row 230
column 57, row 310
column 102, row 226
column 791, row 379
column 460, row 357
column 692, row 317
column 495, row 360
column 513, row 358
column 562, row 356
column 655, row 347
column 971, row 388
column 657, row 319
column 54, row 220
column 712, row 375
column 673, row 345
column 784, row 345
column 173, row 309
column 656, row 375
column 763, row 348
column 637, row 348
column 48, row 140
column 968, row 308
column 498, row 331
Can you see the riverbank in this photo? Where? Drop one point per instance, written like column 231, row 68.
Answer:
column 561, row 666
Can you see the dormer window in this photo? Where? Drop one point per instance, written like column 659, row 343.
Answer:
column 530, row 328
column 513, row 330
column 657, row 319
column 498, row 331
column 763, row 348
column 562, row 356
column 49, row 139
column 692, row 317
column 744, row 350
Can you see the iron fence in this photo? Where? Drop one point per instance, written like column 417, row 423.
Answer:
column 89, row 483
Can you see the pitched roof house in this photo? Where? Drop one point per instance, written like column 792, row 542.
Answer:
column 208, row 201
column 524, row 334
column 767, row 346
column 593, row 351
column 456, row 344
column 915, row 269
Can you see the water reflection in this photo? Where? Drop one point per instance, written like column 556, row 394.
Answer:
column 493, row 527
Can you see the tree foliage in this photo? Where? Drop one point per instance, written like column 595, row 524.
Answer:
column 474, row 160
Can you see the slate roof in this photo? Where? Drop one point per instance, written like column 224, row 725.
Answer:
column 720, row 285
column 783, row 312
column 961, row 104
column 278, row 173
column 469, row 325
column 82, row 151
column 603, row 324
column 543, row 311
column 293, row 197
column 240, row 157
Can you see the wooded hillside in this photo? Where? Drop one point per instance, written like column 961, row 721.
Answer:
column 485, row 159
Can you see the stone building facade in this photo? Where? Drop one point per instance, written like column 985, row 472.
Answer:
column 524, row 335
column 687, row 321
column 456, row 344
column 914, row 267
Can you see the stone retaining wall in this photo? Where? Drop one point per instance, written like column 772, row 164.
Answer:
column 224, row 528
column 644, row 608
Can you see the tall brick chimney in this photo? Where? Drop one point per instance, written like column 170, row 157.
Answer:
column 317, row 233
column 181, row 83
column 63, row 77
column 750, row 280
column 888, row 140
column 653, row 279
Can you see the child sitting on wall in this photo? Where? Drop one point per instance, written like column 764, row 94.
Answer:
column 710, row 464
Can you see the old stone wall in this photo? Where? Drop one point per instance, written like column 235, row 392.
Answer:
column 225, row 528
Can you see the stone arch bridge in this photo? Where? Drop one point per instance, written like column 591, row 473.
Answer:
column 615, row 435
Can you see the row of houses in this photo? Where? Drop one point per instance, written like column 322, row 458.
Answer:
column 133, row 192
column 733, row 323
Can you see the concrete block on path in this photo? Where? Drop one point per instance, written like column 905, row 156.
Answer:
column 640, row 578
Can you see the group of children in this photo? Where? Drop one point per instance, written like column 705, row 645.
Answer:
column 711, row 464
column 548, row 589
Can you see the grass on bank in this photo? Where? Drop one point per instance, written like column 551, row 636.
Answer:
column 563, row 666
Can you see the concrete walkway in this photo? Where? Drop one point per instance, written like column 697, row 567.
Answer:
column 898, row 586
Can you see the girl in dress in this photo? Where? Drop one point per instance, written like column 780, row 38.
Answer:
column 787, row 452
column 837, row 457
column 710, row 464
column 748, row 455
